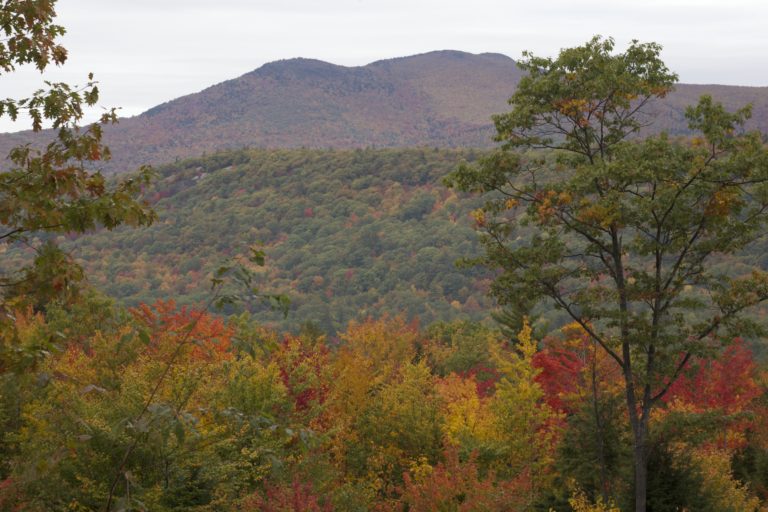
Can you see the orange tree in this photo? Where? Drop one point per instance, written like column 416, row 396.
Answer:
column 617, row 231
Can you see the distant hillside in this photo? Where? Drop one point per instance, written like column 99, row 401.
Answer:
column 347, row 233
column 442, row 99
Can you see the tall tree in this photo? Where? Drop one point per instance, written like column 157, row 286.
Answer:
column 617, row 231
column 57, row 188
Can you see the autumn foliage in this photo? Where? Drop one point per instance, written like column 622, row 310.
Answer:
column 166, row 407
column 296, row 497
column 725, row 382
column 169, row 326
column 218, row 412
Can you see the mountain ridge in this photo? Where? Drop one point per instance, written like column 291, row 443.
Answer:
column 443, row 98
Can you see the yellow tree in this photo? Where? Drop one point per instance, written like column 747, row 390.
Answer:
column 525, row 425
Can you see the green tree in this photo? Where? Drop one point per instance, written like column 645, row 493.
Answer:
column 617, row 231
column 56, row 188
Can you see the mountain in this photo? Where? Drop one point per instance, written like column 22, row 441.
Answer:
column 443, row 99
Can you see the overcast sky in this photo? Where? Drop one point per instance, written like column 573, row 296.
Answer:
column 145, row 52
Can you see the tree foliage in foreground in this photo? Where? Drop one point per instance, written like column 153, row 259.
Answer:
column 196, row 412
column 625, row 231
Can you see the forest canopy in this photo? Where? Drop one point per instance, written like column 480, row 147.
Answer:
column 619, row 375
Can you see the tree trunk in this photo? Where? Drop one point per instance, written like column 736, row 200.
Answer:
column 639, row 423
column 638, row 420
column 641, row 467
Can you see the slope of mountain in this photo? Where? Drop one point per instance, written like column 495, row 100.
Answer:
column 347, row 233
column 443, row 98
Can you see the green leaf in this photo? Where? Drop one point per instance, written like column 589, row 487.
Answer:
column 257, row 256
column 125, row 338
column 179, row 432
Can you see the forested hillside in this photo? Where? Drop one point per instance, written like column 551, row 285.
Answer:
column 346, row 233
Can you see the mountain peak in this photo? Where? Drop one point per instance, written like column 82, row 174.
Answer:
column 299, row 67
column 446, row 56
